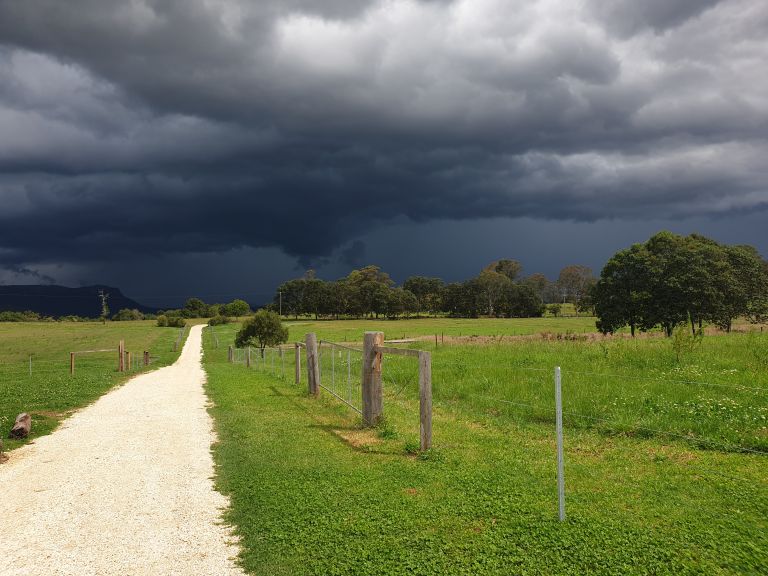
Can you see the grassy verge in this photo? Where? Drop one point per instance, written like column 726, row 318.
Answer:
column 312, row 493
column 50, row 393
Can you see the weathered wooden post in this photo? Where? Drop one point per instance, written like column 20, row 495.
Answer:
column 146, row 358
column 372, row 404
column 120, row 358
column 297, row 354
column 128, row 361
column 313, row 366
column 248, row 357
column 71, row 362
column 425, row 400
column 230, row 355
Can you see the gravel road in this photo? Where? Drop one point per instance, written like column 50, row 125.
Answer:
column 123, row 486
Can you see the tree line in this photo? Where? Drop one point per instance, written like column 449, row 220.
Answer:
column 498, row 291
column 672, row 280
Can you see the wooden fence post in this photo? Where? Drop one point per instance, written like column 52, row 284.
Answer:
column 121, row 356
column 298, row 363
column 230, row 355
column 146, row 358
column 372, row 404
column 128, row 361
column 313, row 366
column 425, row 400
column 71, row 362
column 248, row 357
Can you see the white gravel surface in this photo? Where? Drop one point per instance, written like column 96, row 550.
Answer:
column 122, row 487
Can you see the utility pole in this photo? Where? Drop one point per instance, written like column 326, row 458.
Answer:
column 281, row 302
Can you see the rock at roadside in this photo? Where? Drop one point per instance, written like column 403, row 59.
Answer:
column 22, row 426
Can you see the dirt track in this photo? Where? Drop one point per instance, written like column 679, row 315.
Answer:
column 123, row 486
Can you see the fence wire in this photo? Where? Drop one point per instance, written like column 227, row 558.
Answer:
column 340, row 373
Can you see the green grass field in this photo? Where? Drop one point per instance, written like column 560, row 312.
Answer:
column 662, row 470
column 352, row 330
column 50, row 393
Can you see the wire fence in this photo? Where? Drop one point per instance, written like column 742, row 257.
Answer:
column 277, row 361
column 340, row 369
column 701, row 414
column 84, row 362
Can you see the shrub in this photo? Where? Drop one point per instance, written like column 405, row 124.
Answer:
column 126, row 314
column 218, row 320
column 162, row 320
column 177, row 322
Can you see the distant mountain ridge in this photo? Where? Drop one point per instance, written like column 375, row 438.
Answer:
column 53, row 300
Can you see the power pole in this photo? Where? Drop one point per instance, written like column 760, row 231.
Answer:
column 281, row 302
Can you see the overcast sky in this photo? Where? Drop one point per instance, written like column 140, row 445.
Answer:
column 217, row 147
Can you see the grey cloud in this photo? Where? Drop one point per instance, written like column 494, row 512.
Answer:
column 628, row 16
column 173, row 127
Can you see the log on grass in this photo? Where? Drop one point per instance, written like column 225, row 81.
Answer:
column 22, row 426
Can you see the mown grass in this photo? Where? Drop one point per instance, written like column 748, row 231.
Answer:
column 50, row 393
column 312, row 493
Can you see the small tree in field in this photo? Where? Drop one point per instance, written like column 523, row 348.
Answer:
column 555, row 309
column 262, row 329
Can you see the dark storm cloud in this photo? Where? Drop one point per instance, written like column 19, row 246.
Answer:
column 190, row 127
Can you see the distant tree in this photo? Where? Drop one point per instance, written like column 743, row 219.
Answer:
column 493, row 286
column 573, row 281
column 162, row 320
column 291, row 293
column 555, row 309
column 401, row 302
column 427, row 292
column 520, row 301
column 195, row 308
column 509, row 268
column 313, row 297
column 369, row 288
column 263, row 329
column 236, row 308
column 538, row 283
column 585, row 304
column 464, row 299
column 338, row 298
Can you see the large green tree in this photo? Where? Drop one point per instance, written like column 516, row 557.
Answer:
column 673, row 279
